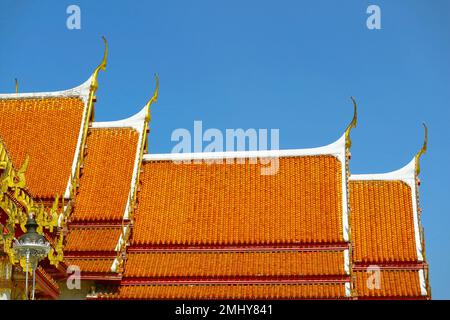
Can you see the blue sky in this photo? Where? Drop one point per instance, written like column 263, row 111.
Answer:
column 290, row 65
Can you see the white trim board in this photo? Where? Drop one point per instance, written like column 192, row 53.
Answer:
column 336, row 149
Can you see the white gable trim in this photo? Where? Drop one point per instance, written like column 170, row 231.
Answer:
column 423, row 284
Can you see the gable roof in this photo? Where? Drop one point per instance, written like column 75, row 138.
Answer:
column 387, row 234
column 387, row 203
column 105, row 181
column 48, row 127
column 228, row 198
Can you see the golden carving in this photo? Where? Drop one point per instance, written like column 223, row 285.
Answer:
column 88, row 118
column 16, row 202
column 348, row 142
column 55, row 256
column 422, row 150
column 101, row 66
column 48, row 219
column 153, row 99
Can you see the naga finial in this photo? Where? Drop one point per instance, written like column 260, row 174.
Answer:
column 352, row 124
column 17, row 85
column 101, row 66
column 422, row 150
column 154, row 98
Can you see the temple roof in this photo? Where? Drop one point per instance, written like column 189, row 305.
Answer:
column 92, row 267
column 386, row 233
column 105, row 182
column 231, row 231
column 106, row 193
column 289, row 264
column 216, row 225
column 228, row 200
column 382, row 221
column 47, row 127
column 385, row 221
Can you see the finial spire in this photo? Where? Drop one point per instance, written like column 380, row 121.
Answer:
column 352, row 124
column 17, row 85
column 154, row 98
column 101, row 66
column 422, row 150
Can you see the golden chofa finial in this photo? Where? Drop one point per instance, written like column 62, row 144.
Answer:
column 422, row 150
column 101, row 66
column 17, row 85
column 154, row 98
column 348, row 142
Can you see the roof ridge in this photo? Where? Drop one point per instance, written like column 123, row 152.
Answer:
column 336, row 148
column 80, row 90
column 135, row 121
column 405, row 173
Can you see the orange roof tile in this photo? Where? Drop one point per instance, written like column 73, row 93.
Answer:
column 382, row 221
column 106, row 178
column 92, row 239
column 222, row 264
column 240, row 291
column 392, row 284
column 235, row 204
column 47, row 130
column 96, row 265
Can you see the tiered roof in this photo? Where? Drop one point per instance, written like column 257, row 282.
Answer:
column 101, row 212
column 191, row 226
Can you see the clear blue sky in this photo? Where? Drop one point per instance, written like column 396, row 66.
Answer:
column 290, row 65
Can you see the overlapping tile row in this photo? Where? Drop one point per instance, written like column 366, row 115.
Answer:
column 47, row 130
column 91, row 238
column 235, row 291
column 385, row 248
column 208, row 230
column 91, row 265
column 272, row 264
